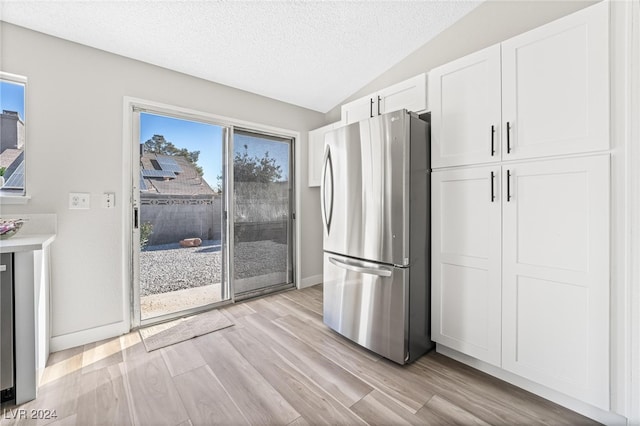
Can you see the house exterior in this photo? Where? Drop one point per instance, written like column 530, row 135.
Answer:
column 12, row 150
column 176, row 200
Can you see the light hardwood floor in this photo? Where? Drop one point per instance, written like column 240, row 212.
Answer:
column 277, row 365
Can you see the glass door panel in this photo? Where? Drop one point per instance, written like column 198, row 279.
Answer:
column 181, row 224
column 262, row 201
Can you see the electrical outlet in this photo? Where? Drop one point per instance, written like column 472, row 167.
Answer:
column 108, row 200
column 79, row 200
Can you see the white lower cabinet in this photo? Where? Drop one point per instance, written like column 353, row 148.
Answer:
column 521, row 280
column 466, row 220
column 555, row 275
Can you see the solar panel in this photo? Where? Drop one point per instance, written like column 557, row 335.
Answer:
column 158, row 174
column 16, row 180
column 143, row 185
column 169, row 164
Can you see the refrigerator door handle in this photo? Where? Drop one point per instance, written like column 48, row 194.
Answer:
column 327, row 170
column 380, row 271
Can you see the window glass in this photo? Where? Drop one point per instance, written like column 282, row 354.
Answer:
column 12, row 137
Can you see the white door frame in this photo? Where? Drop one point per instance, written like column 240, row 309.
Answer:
column 130, row 144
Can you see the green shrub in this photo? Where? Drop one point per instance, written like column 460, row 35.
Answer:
column 146, row 229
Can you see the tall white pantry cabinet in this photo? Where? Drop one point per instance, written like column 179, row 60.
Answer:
column 520, row 205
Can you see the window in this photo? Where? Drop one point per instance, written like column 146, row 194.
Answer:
column 12, row 135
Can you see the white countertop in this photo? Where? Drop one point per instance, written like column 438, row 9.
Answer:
column 26, row 242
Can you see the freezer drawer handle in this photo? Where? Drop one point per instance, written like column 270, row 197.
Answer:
column 381, row 272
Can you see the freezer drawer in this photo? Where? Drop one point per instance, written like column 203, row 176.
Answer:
column 367, row 303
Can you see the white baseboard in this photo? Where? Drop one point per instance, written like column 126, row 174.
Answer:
column 605, row 417
column 78, row 338
column 309, row 281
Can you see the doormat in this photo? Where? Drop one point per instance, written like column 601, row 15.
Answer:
column 172, row 332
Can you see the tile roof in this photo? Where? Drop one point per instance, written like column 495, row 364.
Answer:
column 186, row 182
column 8, row 156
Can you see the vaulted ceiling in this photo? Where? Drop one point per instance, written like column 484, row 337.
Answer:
column 312, row 54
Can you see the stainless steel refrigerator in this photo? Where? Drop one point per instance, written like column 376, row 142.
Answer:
column 375, row 212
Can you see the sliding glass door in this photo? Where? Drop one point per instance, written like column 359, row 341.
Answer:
column 180, row 202
column 212, row 214
column 263, row 213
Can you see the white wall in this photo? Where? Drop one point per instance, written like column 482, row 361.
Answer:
column 74, row 113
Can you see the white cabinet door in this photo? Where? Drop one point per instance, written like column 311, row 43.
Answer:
column 556, row 87
column 316, row 152
column 466, row 240
column 410, row 94
column 555, row 302
column 465, row 110
column 360, row 109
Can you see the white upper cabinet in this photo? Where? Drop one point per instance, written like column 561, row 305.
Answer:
column 357, row 110
column 410, row 94
column 465, row 110
column 543, row 93
column 555, row 87
column 555, row 300
column 316, row 152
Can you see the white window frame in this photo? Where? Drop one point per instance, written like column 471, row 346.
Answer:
column 24, row 197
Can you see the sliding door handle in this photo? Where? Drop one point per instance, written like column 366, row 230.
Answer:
column 508, row 138
column 136, row 218
column 508, row 185
column 493, row 195
column 493, row 135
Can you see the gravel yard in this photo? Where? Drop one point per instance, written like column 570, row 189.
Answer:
column 169, row 267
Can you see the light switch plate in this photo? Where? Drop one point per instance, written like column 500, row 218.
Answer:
column 79, row 200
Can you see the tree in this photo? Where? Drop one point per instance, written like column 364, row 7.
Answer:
column 255, row 169
column 159, row 145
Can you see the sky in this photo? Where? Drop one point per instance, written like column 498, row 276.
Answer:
column 12, row 97
column 207, row 138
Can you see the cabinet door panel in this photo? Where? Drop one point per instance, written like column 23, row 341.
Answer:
column 556, row 275
column 410, row 94
column 466, row 261
column 360, row 109
column 465, row 104
column 556, row 87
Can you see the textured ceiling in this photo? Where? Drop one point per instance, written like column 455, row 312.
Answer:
column 309, row 53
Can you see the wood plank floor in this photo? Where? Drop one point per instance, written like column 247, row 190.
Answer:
column 278, row 365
